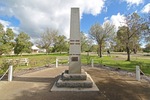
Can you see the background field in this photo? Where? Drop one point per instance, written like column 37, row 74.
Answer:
column 116, row 60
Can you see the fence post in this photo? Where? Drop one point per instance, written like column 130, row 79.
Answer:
column 56, row 62
column 10, row 73
column 138, row 73
column 92, row 63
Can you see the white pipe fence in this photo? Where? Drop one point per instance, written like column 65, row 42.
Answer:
column 92, row 63
column 138, row 73
column 10, row 72
column 138, row 70
column 60, row 59
column 4, row 74
column 56, row 62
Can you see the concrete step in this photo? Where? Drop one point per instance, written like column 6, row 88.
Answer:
column 75, row 83
column 82, row 76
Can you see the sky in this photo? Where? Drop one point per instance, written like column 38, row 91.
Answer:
column 35, row 16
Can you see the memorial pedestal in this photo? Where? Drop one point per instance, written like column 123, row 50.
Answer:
column 74, row 80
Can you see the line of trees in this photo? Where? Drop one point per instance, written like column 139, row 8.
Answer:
column 9, row 41
column 53, row 42
column 127, row 38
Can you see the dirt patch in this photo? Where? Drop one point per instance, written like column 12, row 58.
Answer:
column 119, row 87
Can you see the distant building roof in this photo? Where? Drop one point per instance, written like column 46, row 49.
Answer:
column 34, row 47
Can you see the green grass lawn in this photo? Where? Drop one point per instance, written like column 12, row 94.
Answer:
column 120, row 62
column 116, row 60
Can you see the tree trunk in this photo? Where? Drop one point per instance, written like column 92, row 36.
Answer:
column 134, row 50
column 128, row 53
column 1, row 53
column 100, row 50
column 88, row 58
column 87, row 53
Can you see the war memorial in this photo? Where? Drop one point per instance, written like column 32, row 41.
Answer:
column 75, row 78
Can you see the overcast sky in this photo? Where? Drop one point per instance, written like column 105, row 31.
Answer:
column 34, row 16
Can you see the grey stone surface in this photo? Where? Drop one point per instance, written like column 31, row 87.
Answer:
column 88, row 83
column 74, row 77
column 75, row 43
column 75, row 84
column 67, row 76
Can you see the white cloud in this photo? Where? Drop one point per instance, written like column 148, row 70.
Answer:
column 6, row 25
column 118, row 20
column 36, row 15
column 146, row 8
column 106, row 18
column 132, row 2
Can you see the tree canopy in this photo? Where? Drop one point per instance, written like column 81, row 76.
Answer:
column 61, row 44
column 129, row 35
column 102, row 33
column 23, row 44
column 47, row 39
column 6, row 40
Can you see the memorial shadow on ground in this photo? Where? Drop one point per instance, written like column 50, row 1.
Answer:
column 114, row 90
column 110, row 89
column 119, row 89
column 33, row 79
column 46, row 94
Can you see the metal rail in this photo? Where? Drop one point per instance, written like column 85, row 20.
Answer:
column 4, row 74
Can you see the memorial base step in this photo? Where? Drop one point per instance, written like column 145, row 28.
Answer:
column 75, row 83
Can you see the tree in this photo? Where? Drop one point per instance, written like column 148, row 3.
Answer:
column 47, row 39
column 23, row 44
column 147, row 48
column 123, row 43
column 61, row 44
column 146, row 34
column 102, row 33
column 83, row 41
column 6, row 40
column 86, row 43
column 117, row 45
column 129, row 35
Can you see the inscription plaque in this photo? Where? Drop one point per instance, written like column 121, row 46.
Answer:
column 74, row 59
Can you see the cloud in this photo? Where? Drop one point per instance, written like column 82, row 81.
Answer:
column 146, row 8
column 134, row 2
column 118, row 20
column 7, row 24
column 36, row 15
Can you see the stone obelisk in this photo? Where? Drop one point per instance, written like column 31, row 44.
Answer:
column 75, row 43
column 74, row 78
